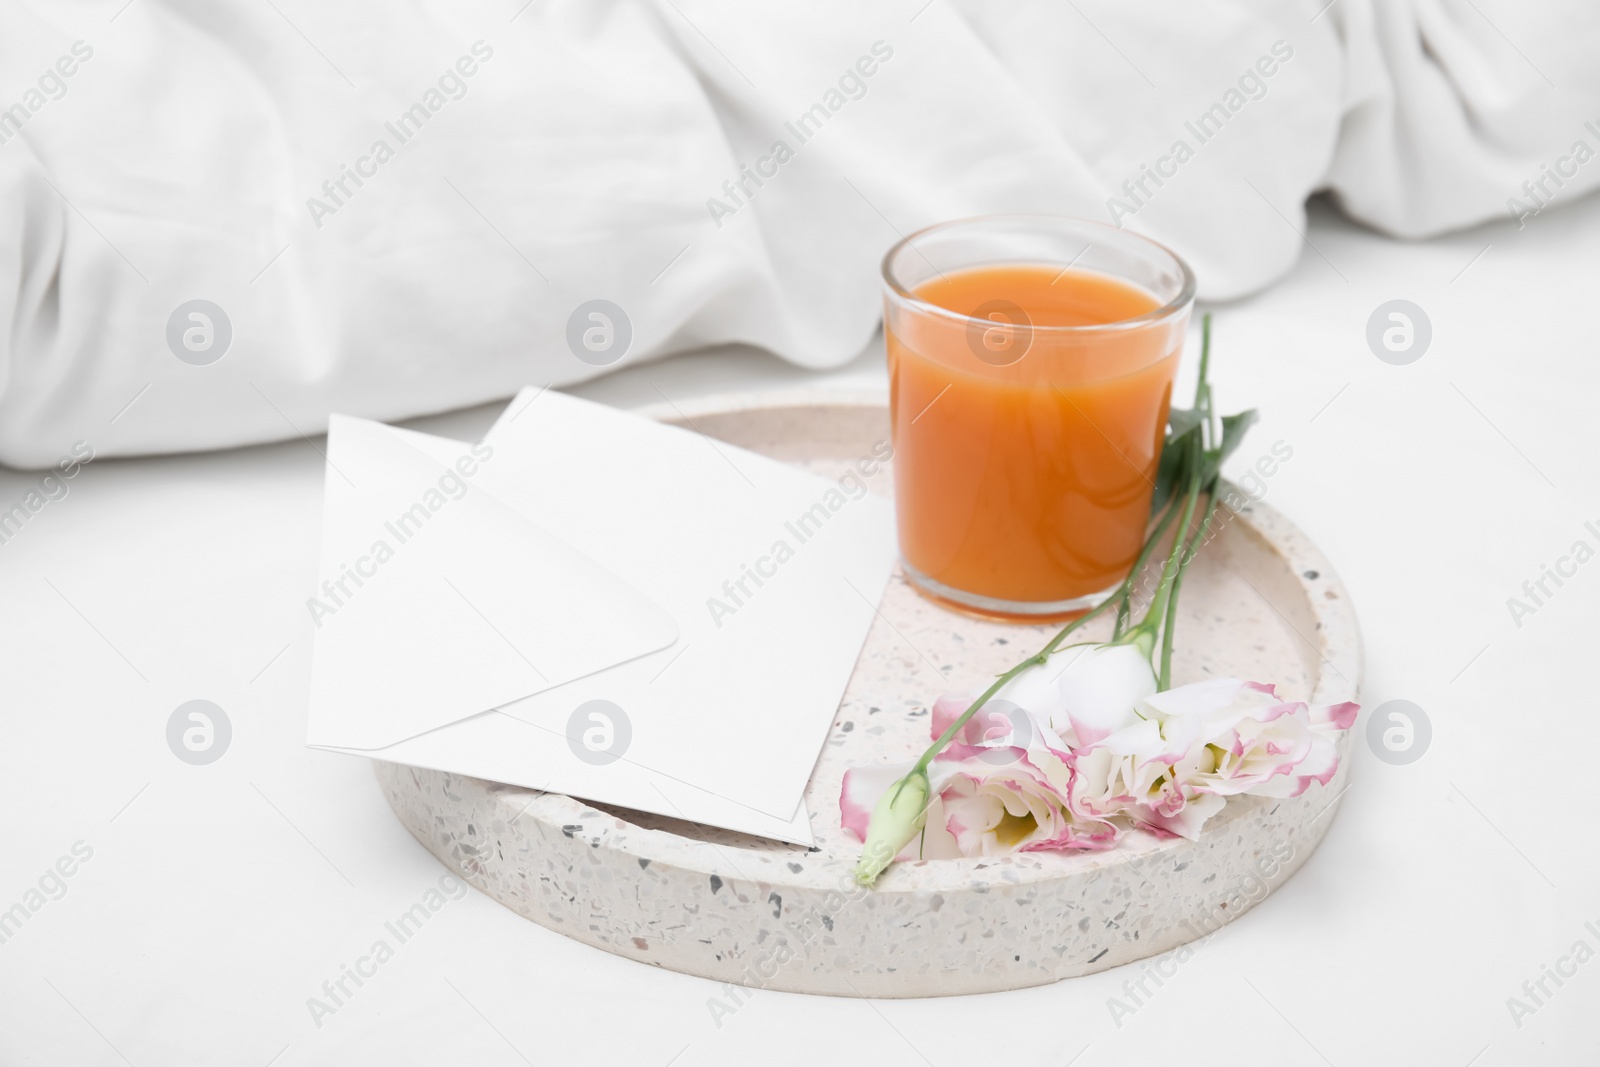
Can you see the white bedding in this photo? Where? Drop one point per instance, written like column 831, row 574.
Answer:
column 160, row 153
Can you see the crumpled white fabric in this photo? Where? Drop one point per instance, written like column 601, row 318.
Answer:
column 595, row 151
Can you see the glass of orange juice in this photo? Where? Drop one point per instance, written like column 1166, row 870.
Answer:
column 1031, row 361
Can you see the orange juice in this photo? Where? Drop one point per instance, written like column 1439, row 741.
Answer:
column 1025, row 453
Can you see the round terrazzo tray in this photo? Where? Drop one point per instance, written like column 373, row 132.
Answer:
column 1260, row 602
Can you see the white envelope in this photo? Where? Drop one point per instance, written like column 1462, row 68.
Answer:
column 663, row 621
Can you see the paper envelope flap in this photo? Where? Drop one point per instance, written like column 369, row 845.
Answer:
column 436, row 600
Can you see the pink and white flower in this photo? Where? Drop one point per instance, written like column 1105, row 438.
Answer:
column 1049, row 766
column 1198, row 744
column 986, row 798
column 1121, row 779
column 1258, row 743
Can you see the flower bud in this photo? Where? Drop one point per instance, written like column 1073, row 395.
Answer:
column 896, row 819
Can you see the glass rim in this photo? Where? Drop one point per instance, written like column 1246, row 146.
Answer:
column 1185, row 297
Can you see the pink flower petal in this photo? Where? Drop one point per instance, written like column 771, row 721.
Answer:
column 862, row 788
column 946, row 710
column 1342, row 715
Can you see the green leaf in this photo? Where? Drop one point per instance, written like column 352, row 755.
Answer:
column 1234, row 428
column 1181, row 420
column 1173, row 472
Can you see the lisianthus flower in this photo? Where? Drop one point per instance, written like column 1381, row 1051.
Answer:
column 984, row 799
column 1124, row 777
column 1195, row 745
column 1258, row 742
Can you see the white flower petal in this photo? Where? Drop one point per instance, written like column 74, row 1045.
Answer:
column 1100, row 686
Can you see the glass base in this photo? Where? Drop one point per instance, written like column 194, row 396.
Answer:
column 996, row 609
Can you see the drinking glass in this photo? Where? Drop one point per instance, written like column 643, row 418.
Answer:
column 1031, row 361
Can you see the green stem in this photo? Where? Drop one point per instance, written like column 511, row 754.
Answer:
column 1125, row 591
column 1158, row 604
column 1164, row 680
column 1202, row 389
